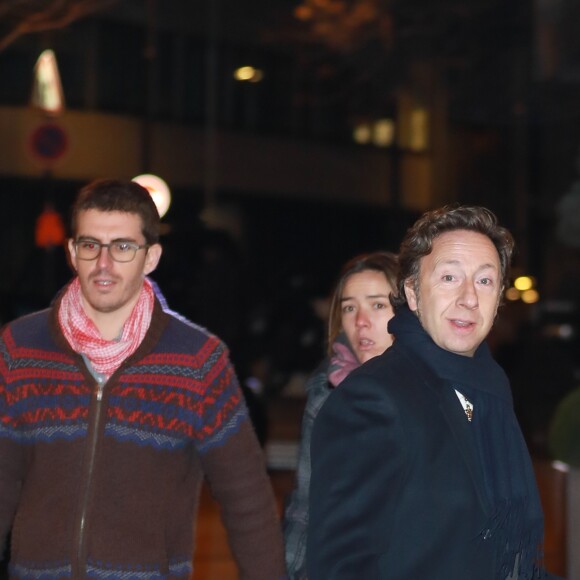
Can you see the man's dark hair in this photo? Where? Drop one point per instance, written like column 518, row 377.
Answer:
column 418, row 241
column 118, row 195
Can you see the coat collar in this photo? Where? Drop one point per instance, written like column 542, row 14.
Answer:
column 451, row 409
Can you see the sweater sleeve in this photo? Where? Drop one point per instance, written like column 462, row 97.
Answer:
column 296, row 513
column 11, row 461
column 236, row 473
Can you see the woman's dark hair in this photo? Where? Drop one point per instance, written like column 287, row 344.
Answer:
column 418, row 242
column 118, row 195
column 383, row 262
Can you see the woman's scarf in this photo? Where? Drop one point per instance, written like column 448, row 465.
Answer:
column 509, row 479
column 342, row 362
column 80, row 331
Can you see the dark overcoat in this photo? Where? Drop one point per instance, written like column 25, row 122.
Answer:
column 397, row 489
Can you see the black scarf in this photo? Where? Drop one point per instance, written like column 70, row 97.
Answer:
column 509, row 480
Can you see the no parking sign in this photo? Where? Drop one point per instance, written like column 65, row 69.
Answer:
column 48, row 143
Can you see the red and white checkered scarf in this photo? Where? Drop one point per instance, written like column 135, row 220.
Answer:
column 105, row 355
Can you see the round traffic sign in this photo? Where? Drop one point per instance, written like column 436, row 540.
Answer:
column 49, row 142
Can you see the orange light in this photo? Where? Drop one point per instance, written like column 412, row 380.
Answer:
column 512, row 294
column 49, row 231
column 530, row 296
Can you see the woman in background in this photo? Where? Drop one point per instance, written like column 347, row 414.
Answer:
column 357, row 331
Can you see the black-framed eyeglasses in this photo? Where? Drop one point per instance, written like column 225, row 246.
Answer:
column 119, row 250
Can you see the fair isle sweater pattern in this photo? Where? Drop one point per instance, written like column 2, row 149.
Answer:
column 177, row 390
column 166, row 400
column 101, row 571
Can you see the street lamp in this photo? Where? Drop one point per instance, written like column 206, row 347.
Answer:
column 47, row 93
column 158, row 189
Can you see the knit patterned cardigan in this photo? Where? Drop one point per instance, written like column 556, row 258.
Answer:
column 103, row 481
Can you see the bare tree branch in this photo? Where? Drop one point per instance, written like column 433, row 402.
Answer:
column 21, row 17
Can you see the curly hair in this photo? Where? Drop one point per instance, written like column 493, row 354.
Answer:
column 418, row 241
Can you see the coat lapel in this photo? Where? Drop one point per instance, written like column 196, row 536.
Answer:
column 459, row 426
column 463, row 434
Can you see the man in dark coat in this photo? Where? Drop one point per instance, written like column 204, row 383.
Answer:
column 419, row 468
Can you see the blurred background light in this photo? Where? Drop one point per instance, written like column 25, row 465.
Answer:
column 47, row 93
column 248, row 74
column 362, row 133
column 512, row 294
column 158, row 189
column 530, row 296
column 384, row 132
column 524, row 283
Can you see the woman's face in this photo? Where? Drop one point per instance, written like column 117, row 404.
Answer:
column 365, row 312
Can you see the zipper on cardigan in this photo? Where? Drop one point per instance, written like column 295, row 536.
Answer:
column 92, row 451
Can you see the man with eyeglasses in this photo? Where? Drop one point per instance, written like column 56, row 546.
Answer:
column 113, row 410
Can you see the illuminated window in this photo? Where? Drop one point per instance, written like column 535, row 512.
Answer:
column 362, row 133
column 384, row 132
column 419, row 130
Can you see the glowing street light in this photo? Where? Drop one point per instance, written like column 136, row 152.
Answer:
column 248, row 74
column 158, row 190
column 47, row 93
column 524, row 283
